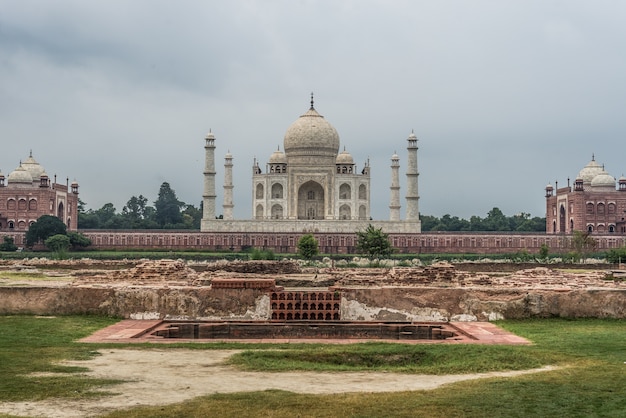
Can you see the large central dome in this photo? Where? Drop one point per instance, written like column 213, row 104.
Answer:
column 311, row 136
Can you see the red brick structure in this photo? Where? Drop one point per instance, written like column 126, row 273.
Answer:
column 592, row 205
column 338, row 243
column 28, row 193
column 318, row 305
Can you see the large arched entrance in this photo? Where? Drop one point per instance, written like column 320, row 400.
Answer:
column 311, row 201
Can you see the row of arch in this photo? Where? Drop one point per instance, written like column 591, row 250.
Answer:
column 277, row 191
column 600, row 208
column 304, row 306
column 21, row 204
column 21, row 224
column 345, row 192
column 289, row 316
column 306, row 296
column 12, row 224
column 277, row 212
column 600, row 228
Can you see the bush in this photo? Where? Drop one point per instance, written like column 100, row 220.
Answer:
column 58, row 243
column 307, row 247
column 8, row 244
column 257, row 254
column 616, row 255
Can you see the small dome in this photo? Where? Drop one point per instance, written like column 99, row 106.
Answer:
column 278, row 157
column 591, row 170
column 549, row 187
column 621, row 179
column 20, row 175
column 603, row 179
column 33, row 167
column 345, row 158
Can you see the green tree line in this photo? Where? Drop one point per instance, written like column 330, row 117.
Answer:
column 494, row 221
column 167, row 213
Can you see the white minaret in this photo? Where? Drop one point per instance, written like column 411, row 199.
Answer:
column 394, row 205
column 208, row 195
column 412, row 197
column 228, row 186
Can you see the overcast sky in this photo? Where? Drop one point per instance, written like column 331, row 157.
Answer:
column 504, row 96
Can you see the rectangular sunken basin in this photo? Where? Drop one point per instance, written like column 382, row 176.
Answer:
column 199, row 330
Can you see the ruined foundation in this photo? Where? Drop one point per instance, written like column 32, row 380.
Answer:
column 174, row 290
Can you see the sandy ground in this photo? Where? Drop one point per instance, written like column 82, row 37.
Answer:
column 158, row 377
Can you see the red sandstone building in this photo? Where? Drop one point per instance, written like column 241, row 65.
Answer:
column 593, row 205
column 28, row 193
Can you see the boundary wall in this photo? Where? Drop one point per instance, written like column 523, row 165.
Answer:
column 334, row 243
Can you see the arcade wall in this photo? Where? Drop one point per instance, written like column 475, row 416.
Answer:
column 336, row 243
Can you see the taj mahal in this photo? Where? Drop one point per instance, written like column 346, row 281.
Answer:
column 310, row 186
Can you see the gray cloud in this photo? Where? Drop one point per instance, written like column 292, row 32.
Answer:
column 504, row 96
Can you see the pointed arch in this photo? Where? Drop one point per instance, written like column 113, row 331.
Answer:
column 311, row 201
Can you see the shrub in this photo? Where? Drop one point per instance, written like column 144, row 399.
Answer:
column 307, row 247
column 8, row 244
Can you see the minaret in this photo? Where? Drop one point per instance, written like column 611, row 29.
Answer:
column 208, row 196
column 228, row 186
column 394, row 205
column 412, row 197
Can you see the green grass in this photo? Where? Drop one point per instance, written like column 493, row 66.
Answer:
column 590, row 382
column 30, row 344
column 398, row 358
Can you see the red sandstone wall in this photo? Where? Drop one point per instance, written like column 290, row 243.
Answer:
column 423, row 243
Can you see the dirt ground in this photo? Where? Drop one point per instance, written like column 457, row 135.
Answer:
column 159, row 377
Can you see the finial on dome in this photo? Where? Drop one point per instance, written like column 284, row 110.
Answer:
column 312, row 101
column 593, row 156
column 31, row 153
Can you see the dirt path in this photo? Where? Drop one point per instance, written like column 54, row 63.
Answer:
column 158, row 377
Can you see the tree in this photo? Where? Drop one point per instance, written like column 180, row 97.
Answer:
column 543, row 252
column 135, row 210
column 496, row 221
column 616, row 255
column 8, row 244
column 78, row 240
column 192, row 217
column 45, row 227
column 105, row 213
column 307, row 247
column 168, row 207
column 373, row 242
column 583, row 244
column 58, row 243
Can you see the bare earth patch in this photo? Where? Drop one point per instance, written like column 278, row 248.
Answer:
column 159, row 377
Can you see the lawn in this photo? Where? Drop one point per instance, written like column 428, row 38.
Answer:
column 590, row 382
